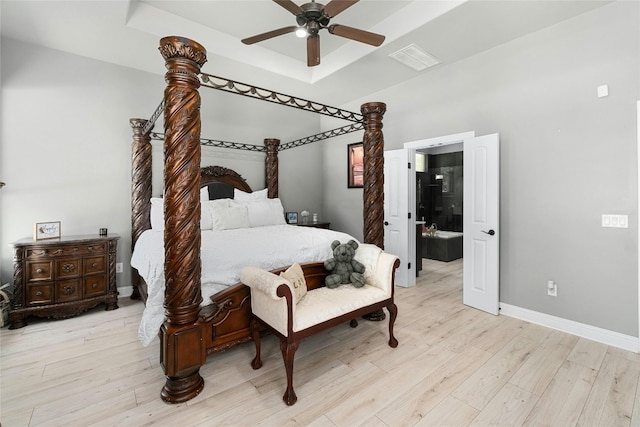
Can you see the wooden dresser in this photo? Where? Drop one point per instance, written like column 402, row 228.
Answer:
column 63, row 277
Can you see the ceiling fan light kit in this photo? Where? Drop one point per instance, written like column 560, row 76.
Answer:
column 313, row 17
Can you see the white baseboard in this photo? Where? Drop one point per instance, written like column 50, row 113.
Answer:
column 125, row 291
column 615, row 339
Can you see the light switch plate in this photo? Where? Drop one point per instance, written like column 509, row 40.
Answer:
column 615, row 221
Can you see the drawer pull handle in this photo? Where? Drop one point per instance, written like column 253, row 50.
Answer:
column 68, row 290
column 39, row 271
column 39, row 294
column 89, row 248
column 95, row 285
column 68, row 268
column 58, row 252
column 94, row 265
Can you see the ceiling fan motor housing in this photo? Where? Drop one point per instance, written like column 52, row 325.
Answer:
column 312, row 17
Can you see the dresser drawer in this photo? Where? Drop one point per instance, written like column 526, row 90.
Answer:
column 68, row 290
column 68, row 268
column 95, row 285
column 39, row 294
column 38, row 271
column 94, row 265
column 66, row 250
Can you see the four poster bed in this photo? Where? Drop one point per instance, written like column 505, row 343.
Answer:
column 191, row 330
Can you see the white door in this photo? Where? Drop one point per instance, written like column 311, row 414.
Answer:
column 481, row 211
column 396, row 214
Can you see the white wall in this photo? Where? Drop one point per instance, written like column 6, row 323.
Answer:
column 567, row 157
column 66, row 144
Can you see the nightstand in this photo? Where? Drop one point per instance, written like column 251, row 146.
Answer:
column 316, row 224
column 63, row 277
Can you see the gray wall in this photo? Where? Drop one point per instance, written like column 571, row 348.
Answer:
column 65, row 149
column 567, row 157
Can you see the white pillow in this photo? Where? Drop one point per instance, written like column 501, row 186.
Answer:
column 265, row 212
column 228, row 217
column 244, row 197
column 157, row 214
column 157, row 211
column 205, row 215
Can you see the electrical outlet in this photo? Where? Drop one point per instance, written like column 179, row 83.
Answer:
column 552, row 288
column 119, row 267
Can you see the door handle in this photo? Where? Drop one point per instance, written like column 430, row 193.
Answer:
column 490, row 232
column 386, row 223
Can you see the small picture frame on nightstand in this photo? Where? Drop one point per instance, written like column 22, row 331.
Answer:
column 292, row 217
column 46, row 230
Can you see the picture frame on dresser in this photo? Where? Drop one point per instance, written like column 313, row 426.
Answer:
column 292, row 217
column 46, row 230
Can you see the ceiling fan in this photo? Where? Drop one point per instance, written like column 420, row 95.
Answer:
column 313, row 17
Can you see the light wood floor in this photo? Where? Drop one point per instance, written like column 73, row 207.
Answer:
column 454, row 366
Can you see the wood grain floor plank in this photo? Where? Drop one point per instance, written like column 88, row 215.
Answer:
column 612, row 395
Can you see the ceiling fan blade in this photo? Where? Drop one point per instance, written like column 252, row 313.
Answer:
column 313, row 50
column 290, row 6
column 269, row 34
column 356, row 34
column 334, row 7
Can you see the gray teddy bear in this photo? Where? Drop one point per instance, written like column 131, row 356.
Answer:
column 344, row 268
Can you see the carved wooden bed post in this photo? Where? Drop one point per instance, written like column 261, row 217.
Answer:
column 271, row 167
column 373, row 194
column 373, row 144
column 140, row 189
column 182, row 350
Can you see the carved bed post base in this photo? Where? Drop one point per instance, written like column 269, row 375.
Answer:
column 373, row 191
column 181, row 361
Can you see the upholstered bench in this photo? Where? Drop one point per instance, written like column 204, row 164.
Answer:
column 293, row 303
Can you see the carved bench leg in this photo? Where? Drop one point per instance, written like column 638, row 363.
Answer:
column 393, row 313
column 256, row 363
column 288, row 352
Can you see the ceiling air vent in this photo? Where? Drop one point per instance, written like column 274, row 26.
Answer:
column 414, row 57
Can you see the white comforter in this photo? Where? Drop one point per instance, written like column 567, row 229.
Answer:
column 224, row 253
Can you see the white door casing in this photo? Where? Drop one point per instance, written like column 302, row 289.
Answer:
column 481, row 216
column 396, row 214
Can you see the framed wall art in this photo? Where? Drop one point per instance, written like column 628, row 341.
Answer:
column 46, row 230
column 355, row 165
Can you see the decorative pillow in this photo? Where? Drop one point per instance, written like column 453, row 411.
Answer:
column 265, row 212
column 244, row 197
column 228, row 217
column 295, row 275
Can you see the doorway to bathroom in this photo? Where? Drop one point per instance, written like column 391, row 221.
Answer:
column 480, row 214
column 439, row 201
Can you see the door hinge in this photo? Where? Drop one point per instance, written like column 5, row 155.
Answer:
column 409, row 215
column 409, row 266
column 409, row 165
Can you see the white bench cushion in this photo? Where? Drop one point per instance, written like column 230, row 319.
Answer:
column 323, row 304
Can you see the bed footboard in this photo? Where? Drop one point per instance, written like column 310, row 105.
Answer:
column 225, row 322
